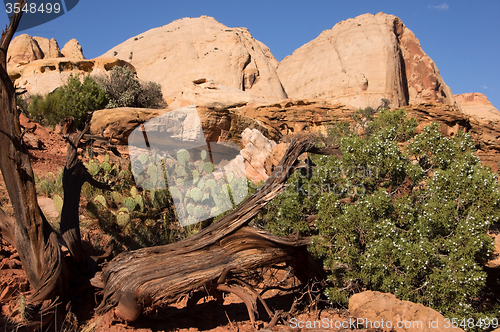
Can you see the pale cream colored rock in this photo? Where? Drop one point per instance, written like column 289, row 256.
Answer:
column 73, row 50
column 48, row 207
column 43, row 76
column 362, row 60
column 118, row 123
column 478, row 106
column 23, row 49
column 373, row 308
column 192, row 48
column 203, row 92
column 255, row 152
column 50, row 48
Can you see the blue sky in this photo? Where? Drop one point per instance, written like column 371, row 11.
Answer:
column 462, row 37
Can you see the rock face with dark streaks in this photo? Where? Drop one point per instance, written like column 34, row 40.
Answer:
column 362, row 60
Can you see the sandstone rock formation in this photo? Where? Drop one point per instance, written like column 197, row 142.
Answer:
column 118, row 123
column 295, row 117
column 375, row 307
column 43, row 76
column 73, row 50
column 24, row 49
column 38, row 65
column 219, row 124
column 203, row 92
column 255, row 152
column 50, row 48
column 190, row 49
column 478, row 106
column 362, row 60
column 274, row 157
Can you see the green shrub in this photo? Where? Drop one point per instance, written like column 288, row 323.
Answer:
column 125, row 90
column 77, row 99
column 401, row 213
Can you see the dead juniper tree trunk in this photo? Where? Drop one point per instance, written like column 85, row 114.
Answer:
column 34, row 238
column 29, row 231
column 161, row 275
column 74, row 176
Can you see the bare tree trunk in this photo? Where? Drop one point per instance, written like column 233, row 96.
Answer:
column 74, row 176
column 160, row 275
column 34, row 239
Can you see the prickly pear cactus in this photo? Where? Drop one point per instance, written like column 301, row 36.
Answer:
column 93, row 168
column 210, row 183
column 196, row 176
column 230, row 177
column 200, row 213
column 196, row 194
column 140, row 202
column 159, row 199
column 133, row 192
column 143, row 158
column 122, row 218
column 208, row 167
column 117, row 197
column 58, row 203
column 183, row 156
column 190, row 209
column 100, row 199
column 106, row 167
column 176, row 194
column 129, row 203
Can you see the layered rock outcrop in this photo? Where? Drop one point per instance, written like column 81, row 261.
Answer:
column 362, row 60
column 296, row 117
column 478, row 106
column 203, row 92
column 45, row 75
column 190, row 49
column 39, row 66
column 219, row 124
column 255, row 153
column 22, row 50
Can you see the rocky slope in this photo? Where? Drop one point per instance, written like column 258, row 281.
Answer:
column 362, row 60
column 190, row 49
column 478, row 106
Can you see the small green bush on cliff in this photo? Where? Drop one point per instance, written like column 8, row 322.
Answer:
column 399, row 212
column 78, row 99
